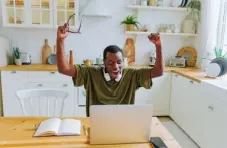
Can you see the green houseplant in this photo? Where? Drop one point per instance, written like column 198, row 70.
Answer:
column 220, row 53
column 130, row 22
column 195, row 5
column 17, row 56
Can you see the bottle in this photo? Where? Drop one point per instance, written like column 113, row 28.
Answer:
column 71, row 57
column 46, row 52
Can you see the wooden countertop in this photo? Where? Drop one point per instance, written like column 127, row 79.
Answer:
column 18, row 131
column 191, row 73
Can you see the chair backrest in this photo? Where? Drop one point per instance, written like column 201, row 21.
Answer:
column 42, row 102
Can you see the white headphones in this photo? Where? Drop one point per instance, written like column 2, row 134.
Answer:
column 107, row 76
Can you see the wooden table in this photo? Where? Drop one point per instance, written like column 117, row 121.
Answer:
column 17, row 132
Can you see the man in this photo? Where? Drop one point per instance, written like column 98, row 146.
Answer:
column 111, row 84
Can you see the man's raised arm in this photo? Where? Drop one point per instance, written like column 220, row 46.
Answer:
column 62, row 64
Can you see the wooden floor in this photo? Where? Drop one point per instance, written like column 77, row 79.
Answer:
column 178, row 133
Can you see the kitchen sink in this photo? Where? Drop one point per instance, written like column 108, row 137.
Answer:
column 218, row 83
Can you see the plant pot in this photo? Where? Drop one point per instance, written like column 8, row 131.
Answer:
column 129, row 27
column 190, row 22
column 17, row 61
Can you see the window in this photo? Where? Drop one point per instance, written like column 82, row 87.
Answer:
column 222, row 27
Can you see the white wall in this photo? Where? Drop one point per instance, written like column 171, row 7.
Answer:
column 97, row 33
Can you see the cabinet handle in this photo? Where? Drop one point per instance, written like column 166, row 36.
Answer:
column 176, row 75
column 13, row 72
column 211, row 108
column 52, row 72
column 65, row 85
column 40, row 85
column 192, row 82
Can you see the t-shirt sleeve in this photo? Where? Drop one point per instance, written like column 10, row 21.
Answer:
column 81, row 75
column 143, row 76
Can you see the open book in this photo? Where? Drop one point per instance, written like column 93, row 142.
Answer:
column 58, row 127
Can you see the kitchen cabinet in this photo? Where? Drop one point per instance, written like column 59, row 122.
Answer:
column 181, row 96
column 158, row 95
column 199, row 109
column 185, row 106
column 39, row 13
column 12, row 81
column 17, row 80
column 213, row 117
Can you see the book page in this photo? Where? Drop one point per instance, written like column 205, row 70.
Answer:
column 70, row 127
column 48, row 127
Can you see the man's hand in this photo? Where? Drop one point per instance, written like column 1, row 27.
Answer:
column 155, row 39
column 62, row 32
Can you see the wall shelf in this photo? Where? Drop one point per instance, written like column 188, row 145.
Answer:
column 165, row 34
column 97, row 15
column 157, row 8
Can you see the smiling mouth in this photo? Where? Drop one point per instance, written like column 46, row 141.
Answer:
column 116, row 73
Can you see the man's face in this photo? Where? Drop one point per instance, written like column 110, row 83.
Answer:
column 113, row 64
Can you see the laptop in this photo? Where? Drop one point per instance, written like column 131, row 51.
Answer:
column 120, row 124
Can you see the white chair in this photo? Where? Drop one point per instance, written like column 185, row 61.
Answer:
column 41, row 102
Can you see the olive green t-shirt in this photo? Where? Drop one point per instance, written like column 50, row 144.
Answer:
column 102, row 92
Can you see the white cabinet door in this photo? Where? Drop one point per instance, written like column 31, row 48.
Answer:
column 14, row 13
column 192, row 114
column 188, row 107
column 70, row 105
column 40, row 13
column 158, row 95
column 181, row 101
column 63, row 9
column 12, row 81
column 214, row 117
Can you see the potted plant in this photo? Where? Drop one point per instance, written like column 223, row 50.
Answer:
column 193, row 16
column 219, row 53
column 130, row 22
column 16, row 55
column 195, row 6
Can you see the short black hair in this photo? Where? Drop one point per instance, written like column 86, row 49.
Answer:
column 111, row 49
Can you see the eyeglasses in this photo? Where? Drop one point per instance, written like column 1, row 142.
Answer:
column 79, row 26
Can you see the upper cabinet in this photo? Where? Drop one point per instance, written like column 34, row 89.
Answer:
column 39, row 13
column 13, row 13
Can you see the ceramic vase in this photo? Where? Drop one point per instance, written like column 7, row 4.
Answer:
column 17, row 61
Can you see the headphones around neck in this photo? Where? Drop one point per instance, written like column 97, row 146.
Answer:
column 107, row 76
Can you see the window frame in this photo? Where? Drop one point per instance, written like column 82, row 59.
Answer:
column 222, row 25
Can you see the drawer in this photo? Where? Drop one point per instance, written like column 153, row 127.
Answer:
column 39, row 85
column 11, row 76
column 51, row 76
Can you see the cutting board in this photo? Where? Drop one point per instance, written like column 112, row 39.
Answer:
column 129, row 50
column 46, row 52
